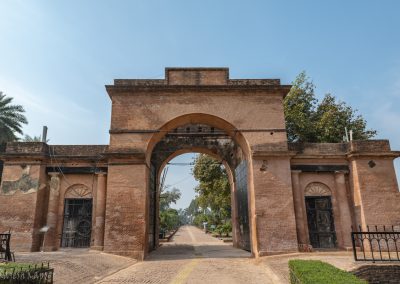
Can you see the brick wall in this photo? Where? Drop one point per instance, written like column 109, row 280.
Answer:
column 379, row 274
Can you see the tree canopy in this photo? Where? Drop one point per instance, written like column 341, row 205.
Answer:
column 213, row 189
column 169, row 217
column 308, row 120
column 11, row 119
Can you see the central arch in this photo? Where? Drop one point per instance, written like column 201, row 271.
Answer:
column 211, row 135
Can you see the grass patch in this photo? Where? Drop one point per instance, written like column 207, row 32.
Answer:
column 315, row 272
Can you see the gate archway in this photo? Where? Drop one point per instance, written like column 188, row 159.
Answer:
column 202, row 133
column 149, row 123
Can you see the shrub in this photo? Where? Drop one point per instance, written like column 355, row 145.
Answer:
column 315, row 271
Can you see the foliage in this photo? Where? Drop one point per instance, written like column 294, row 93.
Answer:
column 169, row 217
column 168, row 197
column 28, row 138
column 315, row 271
column 308, row 120
column 213, row 189
column 11, row 119
column 224, row 229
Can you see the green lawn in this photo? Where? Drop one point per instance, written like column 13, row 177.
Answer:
column 315, row 272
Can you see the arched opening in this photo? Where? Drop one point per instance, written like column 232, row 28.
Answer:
column 195, row 195
column 77, row 217
column 209, row 135
column 320, row 220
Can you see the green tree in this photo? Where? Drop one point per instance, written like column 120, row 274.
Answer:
column 167, row 197
column 213, row 189
column 169, row 217
column 11, row 119
column 299, row 107
column 308, row 120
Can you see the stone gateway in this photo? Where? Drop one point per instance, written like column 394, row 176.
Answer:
column 285, row 196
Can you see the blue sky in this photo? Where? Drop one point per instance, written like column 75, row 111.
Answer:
column 56, row 56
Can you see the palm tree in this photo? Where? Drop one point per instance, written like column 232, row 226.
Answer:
column 11, row 119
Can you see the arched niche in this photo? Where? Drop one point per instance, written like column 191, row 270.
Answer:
column 78, row 191
column 317, row 189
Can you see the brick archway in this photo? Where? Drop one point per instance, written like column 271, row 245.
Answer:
column 193, row 133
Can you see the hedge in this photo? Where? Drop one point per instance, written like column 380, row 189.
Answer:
column 315, row 272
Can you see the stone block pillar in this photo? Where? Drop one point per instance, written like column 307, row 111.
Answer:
column 274, row 208
column 298, row 200
column 344, row 208
column 127, row 209
column 100, row 211
column 373, row 180
column 52, row 211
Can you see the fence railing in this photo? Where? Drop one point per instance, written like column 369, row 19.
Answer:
column 5, row 250
column 376, row 243
column 37, row 274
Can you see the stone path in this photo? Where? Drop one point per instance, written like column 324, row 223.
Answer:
column 191, row 257
column 78, row 265
column 194, row 257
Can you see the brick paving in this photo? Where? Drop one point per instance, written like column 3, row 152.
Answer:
column 191, row 257
column 78, row 265
column 194, row 257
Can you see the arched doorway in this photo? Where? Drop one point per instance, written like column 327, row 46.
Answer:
column 77, row 218
column 199, row 133
column 321, row 226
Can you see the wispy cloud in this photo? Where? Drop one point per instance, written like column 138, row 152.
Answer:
column 46, row 105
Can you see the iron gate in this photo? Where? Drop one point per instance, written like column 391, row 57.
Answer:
column 152, row 208
column 77, row 226
column 242, row 205
column 320, row 222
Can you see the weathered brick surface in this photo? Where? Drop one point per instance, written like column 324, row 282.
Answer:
column 372, row 146
column 22, row 209
column 125, row 231
column 273, row 202
column 375, row 191
column 379, row 274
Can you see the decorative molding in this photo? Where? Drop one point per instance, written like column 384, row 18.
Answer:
column 78, row 191
column 317, row 189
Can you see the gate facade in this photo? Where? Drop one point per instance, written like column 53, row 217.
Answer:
column 77, row 228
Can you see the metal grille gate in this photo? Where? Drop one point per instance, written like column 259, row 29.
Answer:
column 320, row 222
column 242, row 205
column 152, row 208
column 77, row 226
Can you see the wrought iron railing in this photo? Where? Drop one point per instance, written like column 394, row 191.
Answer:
column 37, row 274
column 376, row 243
column 5, row 250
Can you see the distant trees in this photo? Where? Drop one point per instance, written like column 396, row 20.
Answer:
column 169, row 217
column 213, row 201
column 213, row 189
column 308, row 120
column 28, row 138
column 11, row 119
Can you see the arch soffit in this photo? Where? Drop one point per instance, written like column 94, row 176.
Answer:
column 198, row 118
column 317, row 189
column 78, row 191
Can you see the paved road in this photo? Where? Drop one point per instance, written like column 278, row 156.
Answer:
column 194, row 257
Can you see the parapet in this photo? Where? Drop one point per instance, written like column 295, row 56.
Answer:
column 207, row 76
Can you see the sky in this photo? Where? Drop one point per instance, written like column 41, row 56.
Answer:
column 56, row 56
